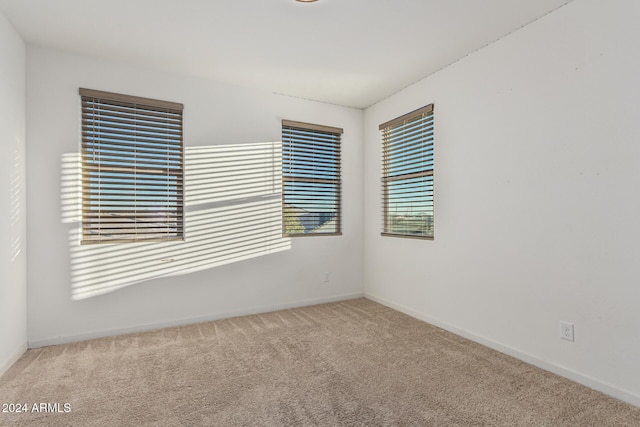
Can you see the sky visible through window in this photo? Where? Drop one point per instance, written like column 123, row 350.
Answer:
column 408, row 176
column 132, row 168
column 311, row 181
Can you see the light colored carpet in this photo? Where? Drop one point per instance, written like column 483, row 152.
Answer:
column 353, row 363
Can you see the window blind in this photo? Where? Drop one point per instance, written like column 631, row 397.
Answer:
column 407, row 175
column 132, row 168
column 311, row 179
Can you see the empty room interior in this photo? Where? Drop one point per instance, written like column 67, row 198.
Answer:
column 215, row 213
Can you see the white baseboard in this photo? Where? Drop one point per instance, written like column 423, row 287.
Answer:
column 17, row 354
column 190, row 320
column 585, row 380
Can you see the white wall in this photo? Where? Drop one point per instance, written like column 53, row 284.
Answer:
column 13, row 274
column 536, row 190
column 215, row 115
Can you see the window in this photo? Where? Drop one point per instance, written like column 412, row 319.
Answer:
column 132, row 169
column 407, row 175
column 310, row 179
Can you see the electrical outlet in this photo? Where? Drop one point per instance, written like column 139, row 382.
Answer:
column 327, row 277
column 566, row 331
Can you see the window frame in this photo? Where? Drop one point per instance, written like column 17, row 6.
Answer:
column 425, row 115
column 130, row 135
column 290, row 127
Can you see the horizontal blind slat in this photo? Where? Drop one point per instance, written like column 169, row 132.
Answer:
column 128, row 99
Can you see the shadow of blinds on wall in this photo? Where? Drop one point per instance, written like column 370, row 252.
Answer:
column 132, row 169
column 407, row 175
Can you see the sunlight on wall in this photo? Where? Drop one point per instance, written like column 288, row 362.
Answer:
column 71, row 188
column 16, row 205
column 233, row 212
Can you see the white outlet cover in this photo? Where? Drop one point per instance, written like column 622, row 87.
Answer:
column 567, row 331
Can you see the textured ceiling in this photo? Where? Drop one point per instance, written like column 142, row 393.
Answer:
column 347, row 52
